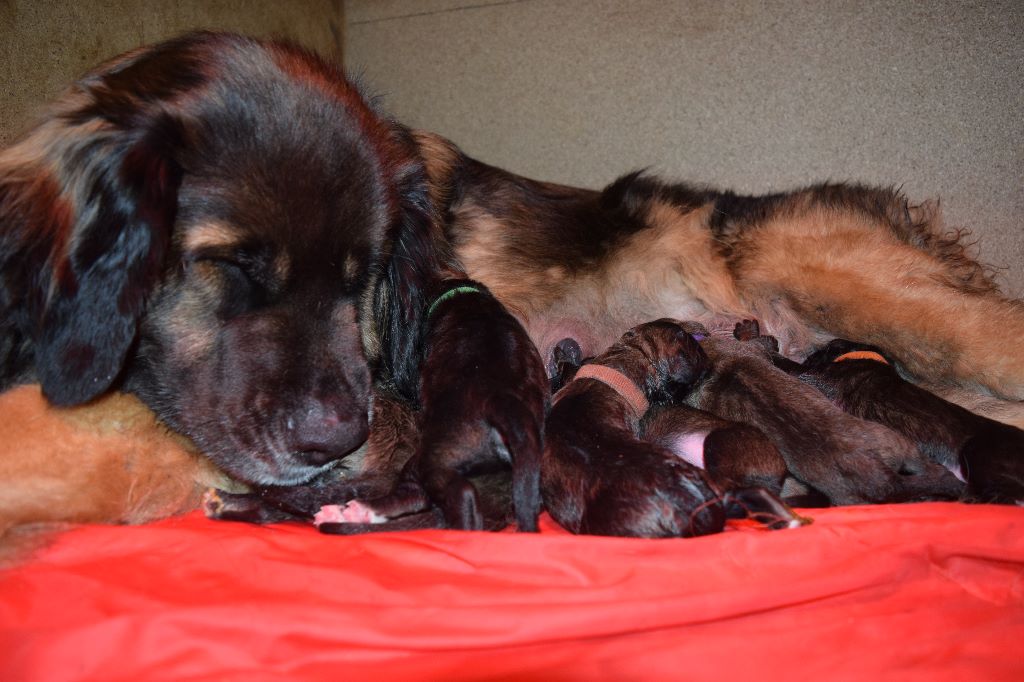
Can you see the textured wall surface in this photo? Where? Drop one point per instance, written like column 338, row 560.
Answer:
column 755, row 96
column 45, row 44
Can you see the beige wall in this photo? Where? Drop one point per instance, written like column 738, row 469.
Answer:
column 751, row 95
column 45, row 44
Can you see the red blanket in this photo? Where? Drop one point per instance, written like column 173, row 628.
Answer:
column 927, row 591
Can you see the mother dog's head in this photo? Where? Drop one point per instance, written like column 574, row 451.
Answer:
column 225, row 228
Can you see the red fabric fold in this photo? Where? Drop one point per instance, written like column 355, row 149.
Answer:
column 926, row 591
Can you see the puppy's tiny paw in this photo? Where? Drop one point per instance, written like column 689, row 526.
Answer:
column 746, row 330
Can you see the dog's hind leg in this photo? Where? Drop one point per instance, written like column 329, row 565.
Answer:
column 860, row 264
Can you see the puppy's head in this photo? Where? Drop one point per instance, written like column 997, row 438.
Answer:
column 667, row 360
column 225, row 228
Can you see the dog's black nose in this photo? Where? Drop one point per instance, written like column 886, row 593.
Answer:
column 322, row 432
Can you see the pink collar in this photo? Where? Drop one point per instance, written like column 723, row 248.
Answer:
column 618, row 382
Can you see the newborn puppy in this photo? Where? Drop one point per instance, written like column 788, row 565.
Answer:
column 484, row 393
column 744, row 467
column 850, row 460
column 593, row 426
column 862, row 381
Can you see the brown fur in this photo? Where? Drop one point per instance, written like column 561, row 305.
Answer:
column 330, row 213
column 826, row 261
column 226, row 229
column 598, row 477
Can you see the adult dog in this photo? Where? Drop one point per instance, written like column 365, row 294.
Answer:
column 227, row 229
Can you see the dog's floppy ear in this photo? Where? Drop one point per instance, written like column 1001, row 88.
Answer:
column 400, row 303
column 87, row 202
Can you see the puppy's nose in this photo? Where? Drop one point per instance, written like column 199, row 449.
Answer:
column 322, row 432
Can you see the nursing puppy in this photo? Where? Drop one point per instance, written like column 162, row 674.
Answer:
column 861, row 380
column 485, row 396
column 595, row 420
column 823, row 446
column 733, row 454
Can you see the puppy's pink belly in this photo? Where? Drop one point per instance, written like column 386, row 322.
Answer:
column 690, row 447
column 353, row 512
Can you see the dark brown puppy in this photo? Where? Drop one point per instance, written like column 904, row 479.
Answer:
column 734, row 455
column 744, row 467
column 862, row 381
column 593, row 425
column 742, row 463
column 848, row 459
column 485, row 396
column 226, row 229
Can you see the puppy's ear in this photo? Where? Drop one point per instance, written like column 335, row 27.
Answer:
column 87, row 202
column 684, row 368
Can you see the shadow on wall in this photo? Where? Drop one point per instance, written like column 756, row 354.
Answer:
column 46, row 45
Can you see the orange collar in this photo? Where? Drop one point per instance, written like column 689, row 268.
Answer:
column 618, row 382
column 862, row 355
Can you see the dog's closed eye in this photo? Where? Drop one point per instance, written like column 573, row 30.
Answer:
column 236, row 285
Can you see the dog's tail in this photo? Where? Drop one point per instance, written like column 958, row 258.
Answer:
column 521, row 429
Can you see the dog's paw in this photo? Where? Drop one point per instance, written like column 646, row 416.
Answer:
column 224, row 506
column 351, row 512
column 212, row 503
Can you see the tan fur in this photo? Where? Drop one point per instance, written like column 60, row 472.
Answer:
column 194, row 307
column 842, row 273
column 439, row 158
column 1005, row 411
column 133, row 468
column 212, row 235
column 668, row 270
column 485, row 257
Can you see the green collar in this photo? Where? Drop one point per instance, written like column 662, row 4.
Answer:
column 451, row 293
